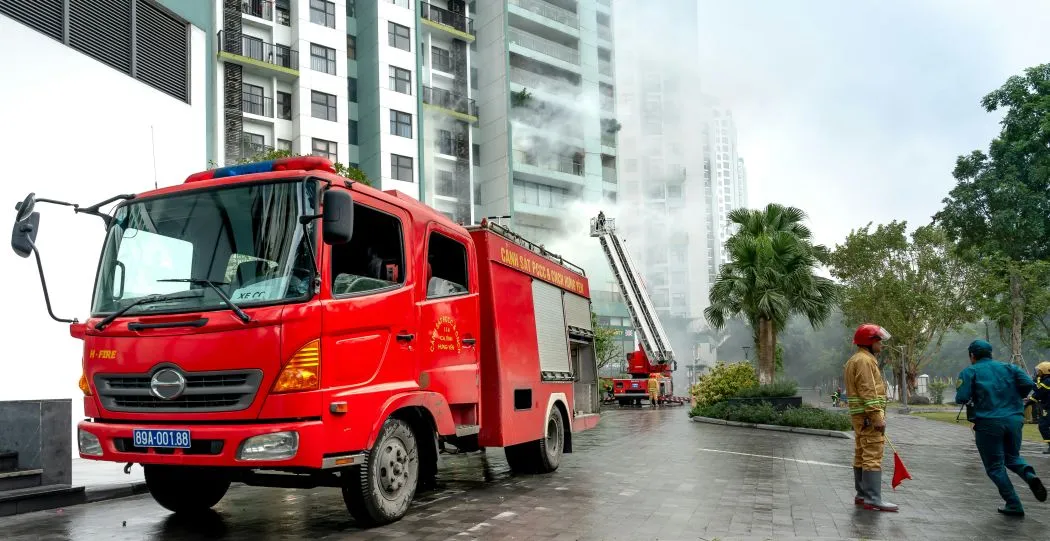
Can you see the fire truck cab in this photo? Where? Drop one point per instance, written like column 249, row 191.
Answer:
column 275, row 324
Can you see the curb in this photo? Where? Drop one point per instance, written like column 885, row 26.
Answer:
column 796, row 430
column 112, row 492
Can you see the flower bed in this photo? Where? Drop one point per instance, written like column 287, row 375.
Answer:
column 764, row 413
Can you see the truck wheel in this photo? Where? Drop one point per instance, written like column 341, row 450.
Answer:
column 380, row 490
column 540, row 456
column 184, row 489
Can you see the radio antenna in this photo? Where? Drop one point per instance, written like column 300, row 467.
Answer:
column 153, row 144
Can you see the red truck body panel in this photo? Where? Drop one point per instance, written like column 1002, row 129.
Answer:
column 464, row 357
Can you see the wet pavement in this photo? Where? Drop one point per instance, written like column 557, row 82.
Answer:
column 641, row 474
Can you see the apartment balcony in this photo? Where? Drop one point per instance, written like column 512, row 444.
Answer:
column 254, row 104
column 450, row 103
column 249, row 150
column 605, row 6
column 607, row 103
column 262, row 9
column 563, row 56
column 608, row 140
column 609, row 174
column 456, row 25
column 260, row 57
column 549, row 11
column 605, row 68
column 559, row 171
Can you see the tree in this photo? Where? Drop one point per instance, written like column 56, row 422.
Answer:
column 995, row 301
column 606, row 349
column 345, row 171
column 999, row 207
column 769, row 277
column 918, row 288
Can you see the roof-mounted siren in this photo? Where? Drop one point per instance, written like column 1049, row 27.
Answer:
column 601, row 225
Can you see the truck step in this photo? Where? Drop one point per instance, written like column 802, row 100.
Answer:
column 467, row 430
column 8, row 461
column 17, row 479
column 27, row 500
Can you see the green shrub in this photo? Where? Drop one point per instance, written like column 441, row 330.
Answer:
column 810, row 417
column 764, row 414
column 777, row 389
column 722, row 382
column 937, row 391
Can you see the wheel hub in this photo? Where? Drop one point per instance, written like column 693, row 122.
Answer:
column 393, row 467
column 553, row 437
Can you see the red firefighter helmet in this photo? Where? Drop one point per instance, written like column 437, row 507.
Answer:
column 868, row 333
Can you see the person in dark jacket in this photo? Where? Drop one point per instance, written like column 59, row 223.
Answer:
column 995, row 392
column 1041, row 395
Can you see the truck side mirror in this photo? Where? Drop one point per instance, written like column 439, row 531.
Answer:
column 23, row 233
column 338, row 217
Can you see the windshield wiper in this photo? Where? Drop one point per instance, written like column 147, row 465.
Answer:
column 218, row 290
column 149, row 299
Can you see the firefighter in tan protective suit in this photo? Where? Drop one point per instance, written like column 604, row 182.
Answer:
column 866, row 397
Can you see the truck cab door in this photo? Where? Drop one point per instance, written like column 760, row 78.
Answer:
column 448, row 319
column 369, row 326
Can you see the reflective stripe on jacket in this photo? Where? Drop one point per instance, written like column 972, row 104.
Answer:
column 865, row 389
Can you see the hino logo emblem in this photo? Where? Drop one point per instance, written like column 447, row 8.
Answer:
column 167, row 384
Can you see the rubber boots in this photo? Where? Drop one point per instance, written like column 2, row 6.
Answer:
column 859, row 498
column 871, row 481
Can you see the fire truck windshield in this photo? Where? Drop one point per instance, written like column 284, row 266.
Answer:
column 245, row 240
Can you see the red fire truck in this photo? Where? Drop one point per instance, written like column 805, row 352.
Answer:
column 275, row 324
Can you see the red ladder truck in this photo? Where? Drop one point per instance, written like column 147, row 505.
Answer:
column 654, row 356
column 275, row 324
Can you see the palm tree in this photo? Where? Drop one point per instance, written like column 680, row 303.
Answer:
column 770, row 277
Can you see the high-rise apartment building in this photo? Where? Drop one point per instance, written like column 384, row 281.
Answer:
column 547, row 133
column 681, row 174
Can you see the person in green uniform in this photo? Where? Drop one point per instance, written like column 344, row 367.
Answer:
column 995, row 393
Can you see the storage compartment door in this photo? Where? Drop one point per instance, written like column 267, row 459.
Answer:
column 552, row 339
column 577, row 312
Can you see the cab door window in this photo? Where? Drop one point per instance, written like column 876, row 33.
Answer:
column 374, row 258
column 446, row 267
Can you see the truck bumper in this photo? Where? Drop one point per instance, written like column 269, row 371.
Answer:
column 211, row 445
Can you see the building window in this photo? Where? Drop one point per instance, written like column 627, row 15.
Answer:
column 284, row 144
column 351, row 89
column 322, row 105
column 252, row 47
column 441, row 59
column 476, row 154
column 351, row 8
column 400, row 124
column 322, row 12
column 252, row 99
column 283, row 55
column 322, row 58
column 400, row 80
column 446, row 183
column 674, row 191
column 284, row 105
column 401, row 168
column 399, row 37
column 351, row 48
column 284, row 13
column 325, row 149
column 444, row 142
column 252, row 144
column 352, row 131
column 541, row 195
column 447, row 260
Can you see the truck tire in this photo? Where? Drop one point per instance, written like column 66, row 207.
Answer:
column 543, row 455
column 183, row 489
column 380, row 490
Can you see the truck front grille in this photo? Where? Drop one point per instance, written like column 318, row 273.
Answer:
column 205, row 392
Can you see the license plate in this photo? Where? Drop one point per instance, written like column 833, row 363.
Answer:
column 166, row 439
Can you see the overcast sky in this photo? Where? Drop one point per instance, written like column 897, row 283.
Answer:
column 855, row 110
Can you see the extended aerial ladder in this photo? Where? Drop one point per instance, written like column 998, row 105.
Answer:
column 655, row 355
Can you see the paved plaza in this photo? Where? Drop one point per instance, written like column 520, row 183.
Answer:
column 642, row 474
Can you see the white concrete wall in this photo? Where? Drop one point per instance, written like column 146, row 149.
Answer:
column 76, row 129
column 392, row 100
column 304, row 33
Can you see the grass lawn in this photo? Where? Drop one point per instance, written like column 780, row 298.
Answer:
column 1031, row 432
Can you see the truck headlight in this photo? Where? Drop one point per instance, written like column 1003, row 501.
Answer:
column 88, row 443
column 276, row 446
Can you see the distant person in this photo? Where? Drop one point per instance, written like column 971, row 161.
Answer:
column 1041, row 396
column 836, row 396
column 601, row 221
column 866, row 398
column 996, row 391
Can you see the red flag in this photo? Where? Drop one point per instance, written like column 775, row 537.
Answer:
column 900, row 473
